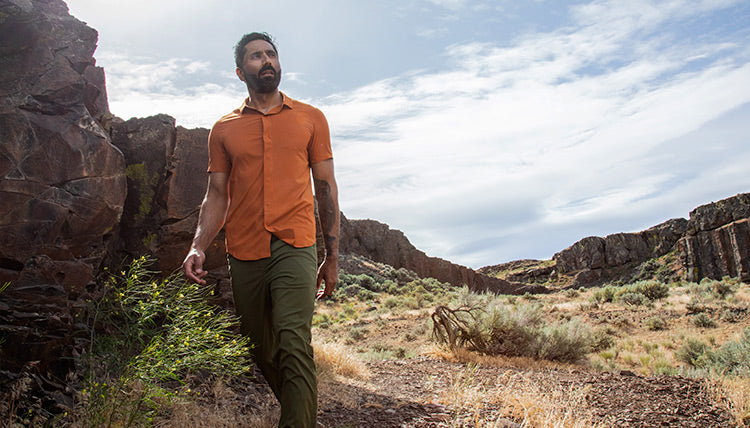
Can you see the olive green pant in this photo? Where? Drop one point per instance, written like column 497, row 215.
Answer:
column 274, row 298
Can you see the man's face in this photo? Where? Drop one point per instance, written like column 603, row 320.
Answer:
column 261, row 70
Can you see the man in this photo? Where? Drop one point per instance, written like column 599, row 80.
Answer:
column 260, row 158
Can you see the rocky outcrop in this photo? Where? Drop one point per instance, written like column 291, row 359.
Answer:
column 595, row 259
column 62, row 182
column 166, row 172
column 717, row 242
column 380, row 243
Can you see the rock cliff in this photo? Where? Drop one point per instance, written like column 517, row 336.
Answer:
column 717, row 242
column 376, row 241
column 166, row 175
column 63, row 183
column 594, row 259
column 713, row 243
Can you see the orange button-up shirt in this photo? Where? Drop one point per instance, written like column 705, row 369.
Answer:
column 268, row 158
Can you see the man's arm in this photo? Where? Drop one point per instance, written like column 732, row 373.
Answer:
column 210, row 220
column 327, row 195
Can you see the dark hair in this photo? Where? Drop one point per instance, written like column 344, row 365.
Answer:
column 239, row 48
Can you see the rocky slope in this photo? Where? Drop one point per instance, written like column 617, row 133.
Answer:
column 714, row 242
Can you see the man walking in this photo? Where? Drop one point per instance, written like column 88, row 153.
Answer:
column 260, row 159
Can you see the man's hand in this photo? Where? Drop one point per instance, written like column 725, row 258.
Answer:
column 193, row 266
column 328, row 273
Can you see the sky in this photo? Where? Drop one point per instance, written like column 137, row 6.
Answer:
column 486, row 131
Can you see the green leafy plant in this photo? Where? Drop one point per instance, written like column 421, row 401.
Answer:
column 148, row 333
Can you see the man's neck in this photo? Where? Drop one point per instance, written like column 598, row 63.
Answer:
column 265, row 102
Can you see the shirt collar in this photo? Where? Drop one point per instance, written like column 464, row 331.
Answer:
column 285, row 102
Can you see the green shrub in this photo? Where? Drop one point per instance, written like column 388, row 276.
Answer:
column 603, row 338
column 731, row 314
column 734, row 357
column 652, row 289
column 566, row 342
column 604, row 295
column 147, row 333
column 393, row 302
column 513, row 331
column 693, row 352
column 633, row 299
column 365, row 295
column 358, row 333
column 703, row 321
column 321, row 320
column 403, row 276
column 655, row 323
column 695, row 306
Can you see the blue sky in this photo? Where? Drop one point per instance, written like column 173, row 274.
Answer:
column 485, row 131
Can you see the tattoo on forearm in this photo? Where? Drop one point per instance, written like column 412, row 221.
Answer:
column 327, row 211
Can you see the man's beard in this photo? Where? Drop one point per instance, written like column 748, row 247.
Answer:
column 263, row 85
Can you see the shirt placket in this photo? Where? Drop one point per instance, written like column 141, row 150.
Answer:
column 268, row 202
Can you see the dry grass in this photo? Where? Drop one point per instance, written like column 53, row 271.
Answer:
column 464, row 356
column 526, row 400
column 220, row 406
column 734, row 394
column 335, row 359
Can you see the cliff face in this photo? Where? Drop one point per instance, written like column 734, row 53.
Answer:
column 378, row 242
column 713, row 243
column 166, row 175
column 594, row 259
column 717, row 242
column 62, row 182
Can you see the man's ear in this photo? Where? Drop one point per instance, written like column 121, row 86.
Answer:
column 240, row 74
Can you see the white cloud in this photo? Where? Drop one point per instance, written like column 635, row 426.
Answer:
column 567, row 119
column 516, row 150
column 139, row 87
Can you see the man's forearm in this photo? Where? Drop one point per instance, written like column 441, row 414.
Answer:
column 210, row 220
column 326, row 192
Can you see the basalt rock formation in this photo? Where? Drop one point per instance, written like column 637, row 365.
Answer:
column 63, row 183
column 713, row 243
column 593, row 260
column 376, row 241
column 166, row 174
column 717, row 242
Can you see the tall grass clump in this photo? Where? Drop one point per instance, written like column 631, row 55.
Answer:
column 147, row 336
column 511, row 330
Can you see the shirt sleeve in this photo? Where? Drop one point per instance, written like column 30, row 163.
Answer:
column 218, row 159
column 319, row 148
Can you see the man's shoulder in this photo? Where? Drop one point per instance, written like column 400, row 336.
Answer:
column 228, row 118
column 303, row 107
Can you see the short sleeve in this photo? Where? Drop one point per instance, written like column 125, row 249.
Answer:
column 218, row 159
column 319, row 148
